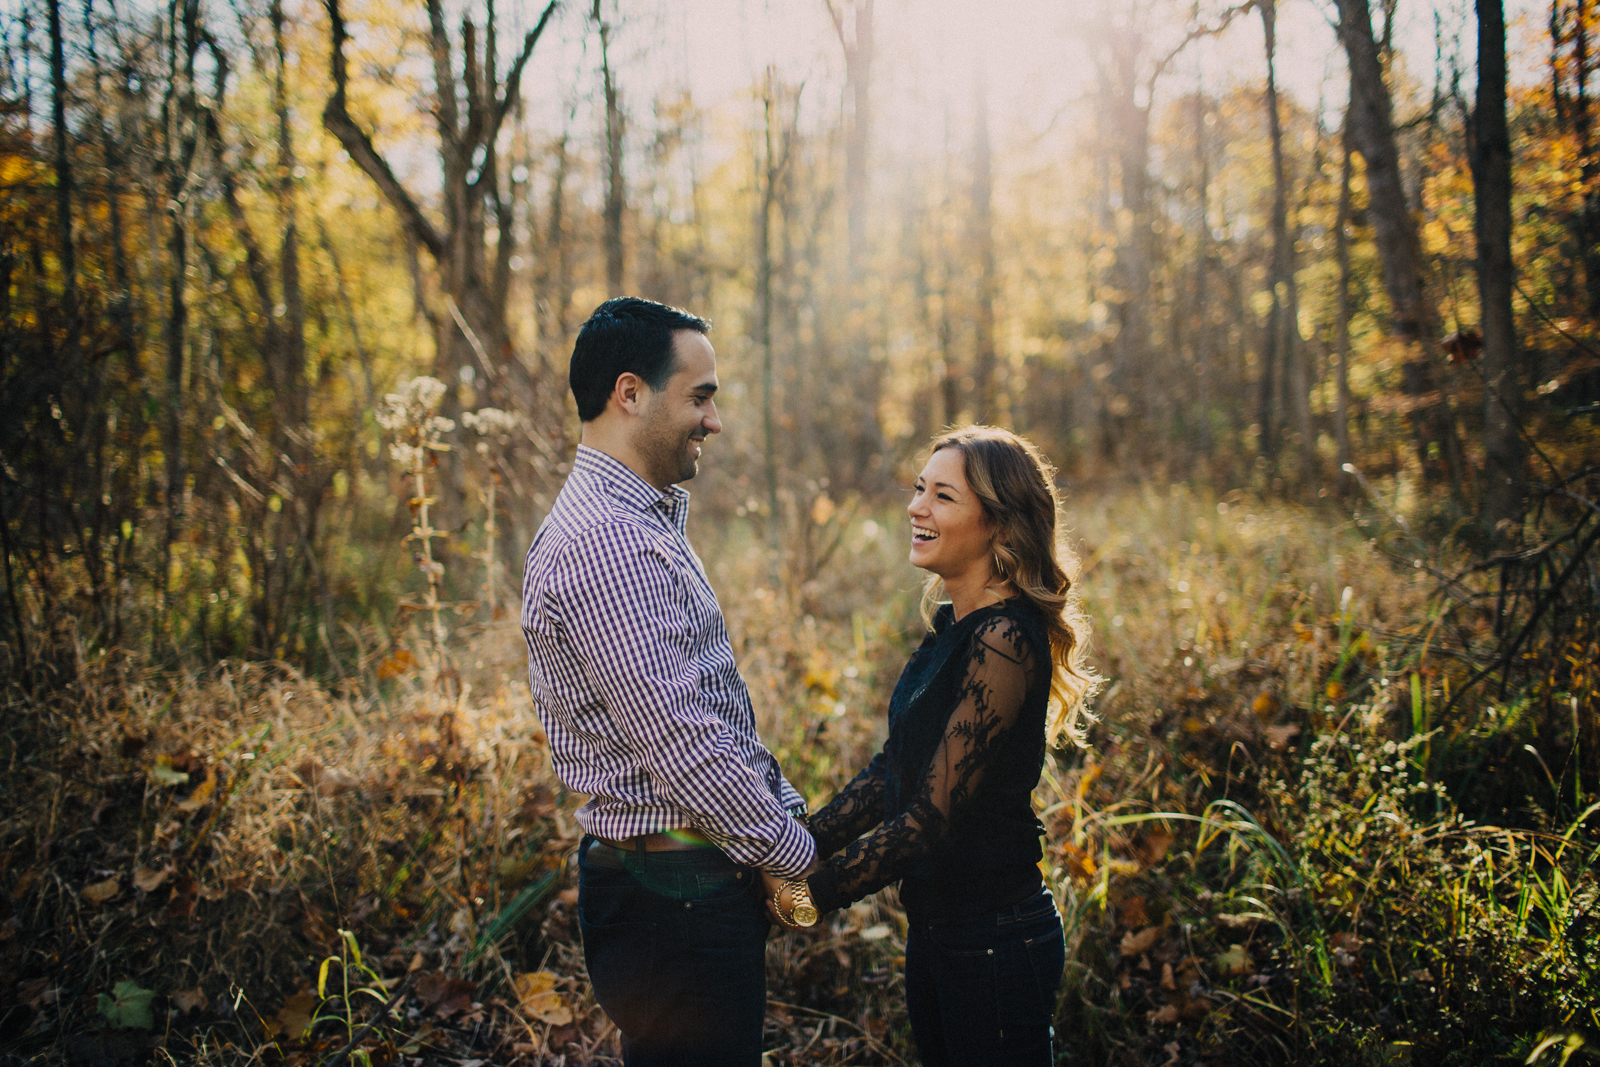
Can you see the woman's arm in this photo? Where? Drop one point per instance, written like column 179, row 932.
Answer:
column 857, row 808
column 996, row 682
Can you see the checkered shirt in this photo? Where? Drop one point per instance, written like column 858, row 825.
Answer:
column 634, row 678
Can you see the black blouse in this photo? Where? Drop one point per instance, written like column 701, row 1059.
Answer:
column 949, row 799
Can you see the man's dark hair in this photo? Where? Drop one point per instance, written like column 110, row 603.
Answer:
column 626, row 334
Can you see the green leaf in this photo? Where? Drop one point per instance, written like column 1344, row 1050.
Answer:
column 322, row 977
column 355, row 949
column 128, row 1008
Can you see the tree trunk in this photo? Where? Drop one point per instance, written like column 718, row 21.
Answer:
column 858, row 49
column 984, row 358
column 767, row 179
column 1275, row 355
column 1491, row 175
column 1395, row 233
column 616, row 188
column 63, row 166
column 1341, row 239
column 1202, row 270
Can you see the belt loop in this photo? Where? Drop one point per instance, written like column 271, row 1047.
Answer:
column 638, row 842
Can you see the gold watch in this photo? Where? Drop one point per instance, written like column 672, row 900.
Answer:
column 805, row 912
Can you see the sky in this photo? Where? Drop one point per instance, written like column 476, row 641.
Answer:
column 1033, row 54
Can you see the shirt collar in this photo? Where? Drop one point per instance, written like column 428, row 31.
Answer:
column 631, row 489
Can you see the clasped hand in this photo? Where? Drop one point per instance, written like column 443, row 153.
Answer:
column 775, row 891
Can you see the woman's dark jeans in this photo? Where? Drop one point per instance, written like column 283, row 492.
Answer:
column 675, row 944
column 982, row 991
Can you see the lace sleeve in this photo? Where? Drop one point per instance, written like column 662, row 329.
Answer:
column 857, row 808
column 992, row 692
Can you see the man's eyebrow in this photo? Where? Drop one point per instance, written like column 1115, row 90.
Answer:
column 704, row 387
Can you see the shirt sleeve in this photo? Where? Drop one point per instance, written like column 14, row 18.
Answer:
column 857, row 808
column 622, row 608
column 1000, row 670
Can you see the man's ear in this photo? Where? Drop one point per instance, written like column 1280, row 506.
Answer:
column 629, row 392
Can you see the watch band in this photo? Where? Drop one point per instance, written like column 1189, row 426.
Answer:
column 804, row 914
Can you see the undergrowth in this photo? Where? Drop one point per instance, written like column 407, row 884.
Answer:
column 1263, row 857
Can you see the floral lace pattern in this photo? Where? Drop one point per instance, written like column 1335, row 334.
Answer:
column 959, row 733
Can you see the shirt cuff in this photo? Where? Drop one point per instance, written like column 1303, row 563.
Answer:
column 793, row 852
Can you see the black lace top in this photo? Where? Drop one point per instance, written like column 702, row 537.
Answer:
column 948, row 800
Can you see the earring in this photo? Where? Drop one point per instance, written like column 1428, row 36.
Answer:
column 999, row 570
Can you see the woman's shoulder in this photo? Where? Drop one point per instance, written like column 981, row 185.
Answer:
column 1015, row 626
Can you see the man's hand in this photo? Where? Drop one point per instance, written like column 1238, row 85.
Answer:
column 773, row 886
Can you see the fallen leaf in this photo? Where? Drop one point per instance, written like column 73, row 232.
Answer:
column 1167, row 981
column 1155, row 846
column 33, row 993
column 444, row 995
column 1132, row 913
column 162, row 773
column 100, row 892
column 549, row 1007
column 185, row 893
column 396, row 665
column 1347, row 941
column 187, row 1000
column 1235, row 961
column 1137, row 944
column 294, row 1018
column 415, row 964
column 533, row 983
column 24, row 883
column 1265, row 706
column 128, row 1006
column 1278, row 737
column 146, row 880
column 875, row 932
column 1077, row 863
column 202, row 792
column 1165, row 1015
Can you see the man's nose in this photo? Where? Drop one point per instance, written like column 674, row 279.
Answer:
column 713, row 421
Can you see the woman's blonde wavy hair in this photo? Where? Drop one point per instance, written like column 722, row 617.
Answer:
column 1016, row 486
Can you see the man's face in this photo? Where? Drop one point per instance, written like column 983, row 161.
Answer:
column 676, row 418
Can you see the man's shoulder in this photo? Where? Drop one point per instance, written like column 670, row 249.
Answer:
column 587, row 521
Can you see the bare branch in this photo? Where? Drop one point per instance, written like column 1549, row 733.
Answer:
column 514, row 76
column 337, row 121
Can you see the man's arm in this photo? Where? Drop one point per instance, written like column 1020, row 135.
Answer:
column 621, row 607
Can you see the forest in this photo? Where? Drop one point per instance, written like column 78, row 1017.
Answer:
column 1301, row 297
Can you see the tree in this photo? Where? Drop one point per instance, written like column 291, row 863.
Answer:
column 1490, row 154
column 472, row 329
column 1395, row 234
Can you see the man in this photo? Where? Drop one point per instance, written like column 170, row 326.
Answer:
column 634, row 678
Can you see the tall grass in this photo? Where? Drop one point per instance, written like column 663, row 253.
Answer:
column 1259, row 860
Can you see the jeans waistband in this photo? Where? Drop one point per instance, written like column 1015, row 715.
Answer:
column 1035, row 906
column 598, row 853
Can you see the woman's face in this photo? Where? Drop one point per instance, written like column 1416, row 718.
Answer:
column 949, row 534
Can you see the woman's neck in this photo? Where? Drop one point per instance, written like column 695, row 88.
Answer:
column 974, row 589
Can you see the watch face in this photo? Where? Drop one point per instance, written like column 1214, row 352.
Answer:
column 805, row 915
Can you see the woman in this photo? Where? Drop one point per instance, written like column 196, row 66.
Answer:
column 948, row 800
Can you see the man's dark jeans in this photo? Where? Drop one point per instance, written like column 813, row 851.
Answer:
column 675, row 944
column 983, row 990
